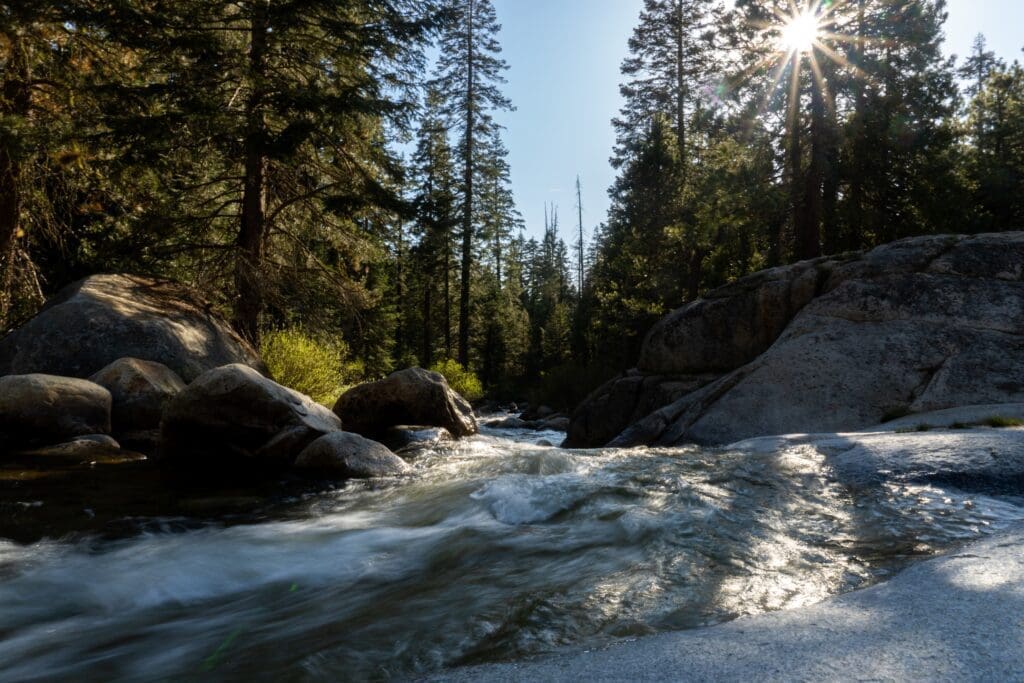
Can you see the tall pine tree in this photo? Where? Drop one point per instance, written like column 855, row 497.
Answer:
column 469, row 76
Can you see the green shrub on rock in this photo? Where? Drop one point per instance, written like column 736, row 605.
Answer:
column 461, row 380
column 309, row 365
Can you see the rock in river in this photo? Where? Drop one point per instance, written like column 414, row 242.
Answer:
column 40, row 410
column 92, row 323
column 409, row 397
column 139, row 389
column 350, row 456
column 234, row 413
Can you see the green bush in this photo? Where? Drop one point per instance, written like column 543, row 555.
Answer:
column 1000, row 422
column 460, row 379
column 312, row 366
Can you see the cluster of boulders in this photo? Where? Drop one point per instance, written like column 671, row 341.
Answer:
column 833, row 344
column 119, row 361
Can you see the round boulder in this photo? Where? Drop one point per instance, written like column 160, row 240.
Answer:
column 139, row 389
column 92, row 323
column 41, row 410
column 350, row 456
column 235, row 412
column 408, row 397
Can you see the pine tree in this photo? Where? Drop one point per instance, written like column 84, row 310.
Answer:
column 436, row 220
column 671, row 57
column 978, row 67
column 996, row 154
column 268, row 118
column 469, row 73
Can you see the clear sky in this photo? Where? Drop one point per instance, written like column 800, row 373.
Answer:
column 565, row 56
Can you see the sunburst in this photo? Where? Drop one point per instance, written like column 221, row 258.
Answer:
column 806, row 32
column 800, row 33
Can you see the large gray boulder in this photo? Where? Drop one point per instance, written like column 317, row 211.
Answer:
column 235, row 413
column 923, row 324
column 623, row 401
column 139, row 389
column 408, row 397
column 92, row 323
column 350, row 456
column 42, row 410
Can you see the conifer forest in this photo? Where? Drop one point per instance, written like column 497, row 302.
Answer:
column 332, row 170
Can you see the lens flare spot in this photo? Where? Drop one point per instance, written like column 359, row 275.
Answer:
column 800, row 33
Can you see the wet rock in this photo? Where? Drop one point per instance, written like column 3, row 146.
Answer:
column 350, row 456
column 625, row 400
column 84, row 451
column 409, row 397
column 536, row 414
column 555, row 424
column 102, row 439
column 508, row 423
column 411, row 439
column 235, row 413
column 96, row 321
column 140, row 389
column 38, row 410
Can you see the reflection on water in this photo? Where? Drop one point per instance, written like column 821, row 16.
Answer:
column 494, row 549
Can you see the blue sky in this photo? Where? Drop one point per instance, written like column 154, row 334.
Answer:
column 565, row 56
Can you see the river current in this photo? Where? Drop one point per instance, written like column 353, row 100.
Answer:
column 495, row 548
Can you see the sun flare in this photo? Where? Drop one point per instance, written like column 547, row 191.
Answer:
column 800, row 33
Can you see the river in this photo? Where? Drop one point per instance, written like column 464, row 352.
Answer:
column 496, row 548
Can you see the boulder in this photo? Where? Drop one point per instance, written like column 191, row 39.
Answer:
column 350, row 456
column 558, row 423
column 408, row 397
column 84, row 450
column 139, row 389
column 92, row 323
column 510, row 422
column 410, row 439
column 924, row 324
column 40, row 410
column 235, row 413
column 538, row 413
column 624, row 401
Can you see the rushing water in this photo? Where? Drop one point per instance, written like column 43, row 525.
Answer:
column 496, row 548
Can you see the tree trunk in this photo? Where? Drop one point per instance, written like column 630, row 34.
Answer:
column 427, row 350
column 796, row 188
column 579, row 264
column 810, row 234
column 695, row 274
column 252, row 235
column 497, row 236
column 17, row 101
column 855, row 227
column 447, row 294
column 830, row 188
column 680, row 88
column 399, row 297
column 467, row 209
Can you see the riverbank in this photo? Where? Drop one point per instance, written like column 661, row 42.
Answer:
column 957, row 617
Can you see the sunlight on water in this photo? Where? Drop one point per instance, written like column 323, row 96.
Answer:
column 496, row 548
